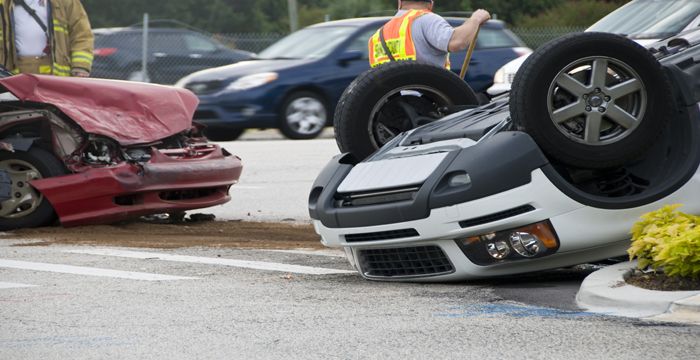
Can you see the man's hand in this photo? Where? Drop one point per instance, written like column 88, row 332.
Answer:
column 481, row 16
column 77, row 72
column 464, row 33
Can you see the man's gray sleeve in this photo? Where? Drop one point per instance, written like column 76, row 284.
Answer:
column 436, row 31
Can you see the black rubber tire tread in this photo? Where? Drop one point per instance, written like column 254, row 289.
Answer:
column 351, row 118
column 528, row 99
column 291, row 133
column 221, row 134
column 49, row 166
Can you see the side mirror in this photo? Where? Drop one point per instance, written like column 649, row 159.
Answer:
column 349, row 56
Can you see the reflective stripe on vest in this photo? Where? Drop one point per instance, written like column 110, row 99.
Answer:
column 397, row 35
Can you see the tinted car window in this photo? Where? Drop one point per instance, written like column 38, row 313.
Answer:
column 314, row 42
column 360, row 43
column 119, row 39
column 494, row 38
column 199, row 44
column 166, row 42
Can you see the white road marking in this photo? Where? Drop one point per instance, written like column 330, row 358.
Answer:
column 329, row 252
column 257, row 265
column 8, row 285
column 81, row 270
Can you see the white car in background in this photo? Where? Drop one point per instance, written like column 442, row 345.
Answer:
column 644, row 21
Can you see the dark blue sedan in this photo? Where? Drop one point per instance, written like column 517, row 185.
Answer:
column 295, row 83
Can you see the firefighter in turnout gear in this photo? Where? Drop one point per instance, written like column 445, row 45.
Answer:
column 416, row 33
column 51, row 37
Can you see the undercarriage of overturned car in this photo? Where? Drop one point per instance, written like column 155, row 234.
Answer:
column 97, row 151
column 596, row 131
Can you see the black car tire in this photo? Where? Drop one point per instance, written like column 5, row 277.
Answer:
column 218, row 134
column 392, row 98
column 35, row 210
column 303, row 115
column 592, row 100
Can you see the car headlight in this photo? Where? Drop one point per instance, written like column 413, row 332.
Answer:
column 525, row 242
column 251, row 81
column 500, row 76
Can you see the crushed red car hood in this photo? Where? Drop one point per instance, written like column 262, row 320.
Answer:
column 128, row 112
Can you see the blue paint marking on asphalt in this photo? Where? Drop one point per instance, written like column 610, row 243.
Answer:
column 71, row 341
column 518, row 311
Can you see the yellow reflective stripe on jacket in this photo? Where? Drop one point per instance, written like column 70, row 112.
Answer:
column 82, row 57
column 45, row 69
column 60, row 70
column 58, row 27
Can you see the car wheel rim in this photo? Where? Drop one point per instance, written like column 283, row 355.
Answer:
column 391, row 116
column 597, row 100
column 24, row 198
column 306, row 115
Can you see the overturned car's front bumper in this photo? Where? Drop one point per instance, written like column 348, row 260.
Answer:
column 170, row 181
column 423, row 236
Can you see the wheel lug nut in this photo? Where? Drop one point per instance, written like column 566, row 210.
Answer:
column 597, row 90
column 20, row 184
column 18, row 195
column 607, row 98
column 588, row 108
column 601, row 109
column 585, row 96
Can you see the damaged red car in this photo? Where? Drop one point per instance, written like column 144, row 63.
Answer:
column 90, row 151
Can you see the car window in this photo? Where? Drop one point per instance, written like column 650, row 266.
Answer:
column 494, row 38
column 119, row 40
column 197, row 43
column 313, row 42
column 360, row 43
column 649, row 19
column 166, row 42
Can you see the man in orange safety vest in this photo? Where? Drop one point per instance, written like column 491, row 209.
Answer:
column 416, row 33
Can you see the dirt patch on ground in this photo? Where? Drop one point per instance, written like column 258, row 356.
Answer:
column 659, row 281
column 229, row 234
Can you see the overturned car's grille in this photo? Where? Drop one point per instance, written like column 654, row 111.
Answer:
column 376, row 197
column 381, row 235
column 496, row 216
column 404, row 262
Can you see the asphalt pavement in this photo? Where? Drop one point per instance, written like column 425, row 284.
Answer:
column 603, row 291
column 94, row 302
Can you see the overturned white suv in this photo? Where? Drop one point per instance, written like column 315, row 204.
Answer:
column 596, row 131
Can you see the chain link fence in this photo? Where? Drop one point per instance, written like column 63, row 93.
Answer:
column 173, row 53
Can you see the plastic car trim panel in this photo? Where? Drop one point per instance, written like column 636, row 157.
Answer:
column 490, row 173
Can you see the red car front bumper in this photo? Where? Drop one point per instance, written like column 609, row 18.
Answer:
column 170, row 181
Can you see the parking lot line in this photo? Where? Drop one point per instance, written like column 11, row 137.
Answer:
column 257, row 265
column 9, row 285
column 89, row 271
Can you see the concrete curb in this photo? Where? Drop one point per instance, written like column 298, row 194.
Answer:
column 605, row 291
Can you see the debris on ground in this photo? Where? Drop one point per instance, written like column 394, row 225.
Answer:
column 146, row 234
column 201, row 217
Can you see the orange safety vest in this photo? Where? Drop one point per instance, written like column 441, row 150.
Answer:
column 397, row 35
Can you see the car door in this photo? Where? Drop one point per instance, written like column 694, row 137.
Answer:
column 351, row 59
column 170, row 57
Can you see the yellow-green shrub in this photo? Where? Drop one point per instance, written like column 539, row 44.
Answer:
column 668, row 240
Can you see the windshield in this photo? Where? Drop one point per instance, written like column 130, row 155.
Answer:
column 649, row 19
column 312, row 42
